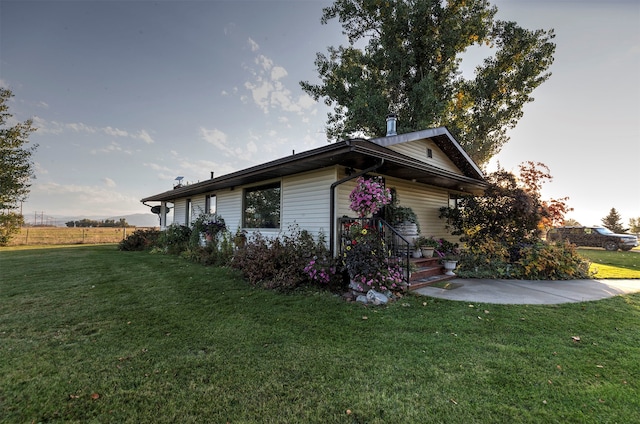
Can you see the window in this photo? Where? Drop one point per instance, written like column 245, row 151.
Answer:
column 429, row 153
column 262, row 206
column 210, row 204
column 454, row 201
column 188, row 212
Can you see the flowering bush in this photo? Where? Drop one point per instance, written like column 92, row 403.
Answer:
column 368, row 260
column 369, row 196
column 321, row 270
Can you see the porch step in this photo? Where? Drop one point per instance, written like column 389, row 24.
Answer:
column 427, row 271
column 416, row 284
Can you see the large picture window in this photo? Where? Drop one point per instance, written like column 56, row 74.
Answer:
column 262, row 206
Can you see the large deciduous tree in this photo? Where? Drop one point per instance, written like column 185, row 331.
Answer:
column 410, row 65
column 16, row 167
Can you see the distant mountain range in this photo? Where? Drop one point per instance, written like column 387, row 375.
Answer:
column 135, row 220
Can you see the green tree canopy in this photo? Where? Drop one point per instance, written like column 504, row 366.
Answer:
column 410, row 65
column 16, row 167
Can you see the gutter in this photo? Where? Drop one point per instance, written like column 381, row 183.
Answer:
column 332, row 202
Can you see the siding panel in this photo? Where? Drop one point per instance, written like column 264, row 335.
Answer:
column 418, row 150
column 305, row 201
column 229, row 206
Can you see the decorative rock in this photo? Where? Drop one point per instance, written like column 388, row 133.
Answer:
column 377, row 298
column 353, row 286
column 362, row 299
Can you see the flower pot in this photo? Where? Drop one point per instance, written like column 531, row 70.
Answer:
column 417, row 253
column 427, row 252
column 449, row 266
column 409, row 231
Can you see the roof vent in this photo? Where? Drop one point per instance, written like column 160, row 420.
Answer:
column 391, row 124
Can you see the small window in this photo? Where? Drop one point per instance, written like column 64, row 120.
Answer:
column 262, row 206
column 429, row 153
column 210, row 204
column 454, row 201
column 188, row 212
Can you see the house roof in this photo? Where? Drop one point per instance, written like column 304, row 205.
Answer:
column 356, row 154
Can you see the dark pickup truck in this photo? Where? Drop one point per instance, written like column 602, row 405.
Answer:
column 593, row 237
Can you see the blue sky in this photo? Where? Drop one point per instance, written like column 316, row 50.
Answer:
column 128, row 95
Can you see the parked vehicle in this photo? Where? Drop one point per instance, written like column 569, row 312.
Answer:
column 593, row 237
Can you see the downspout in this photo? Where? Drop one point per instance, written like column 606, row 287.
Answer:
column 332, row 202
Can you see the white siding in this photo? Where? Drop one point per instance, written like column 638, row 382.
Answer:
column 198, row 204
column 426, row 202
column 229, row 207
column 418, row 150
column 306, row 201
column 179, row 211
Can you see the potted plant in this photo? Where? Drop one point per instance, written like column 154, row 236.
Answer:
column 450, row 255
column 402, row 218
column 369, row 196
column 427, row 245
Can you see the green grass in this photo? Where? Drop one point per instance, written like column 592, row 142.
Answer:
column 90, row 334
column 613, row 264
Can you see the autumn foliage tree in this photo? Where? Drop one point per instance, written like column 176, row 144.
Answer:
column 405, row 56
column 511, row 210
column 532, row 176
column 502, row 229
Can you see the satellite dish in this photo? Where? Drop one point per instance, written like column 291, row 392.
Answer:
column 156, row 209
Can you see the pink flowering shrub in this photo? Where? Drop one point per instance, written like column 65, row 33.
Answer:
column 368, row 260
column 321, row 270
column 369, row 196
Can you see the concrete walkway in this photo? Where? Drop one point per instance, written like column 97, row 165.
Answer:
column 523, row 292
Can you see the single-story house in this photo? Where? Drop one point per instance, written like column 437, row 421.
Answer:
column 427, row 168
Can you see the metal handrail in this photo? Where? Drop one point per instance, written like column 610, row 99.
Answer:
column 399, row 248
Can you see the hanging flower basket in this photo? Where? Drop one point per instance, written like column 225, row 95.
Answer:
column 369, row 196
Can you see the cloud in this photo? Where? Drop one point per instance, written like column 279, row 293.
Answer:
column 253, row 45
column 278, row 72
column 80, row 127
column 109, row 182
column 115, row 132
column 39, row 169
column 144, row 136
column 269, row 92
column 54, row 127
column 217, row 138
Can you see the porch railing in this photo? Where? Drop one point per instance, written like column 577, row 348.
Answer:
column 398, row 247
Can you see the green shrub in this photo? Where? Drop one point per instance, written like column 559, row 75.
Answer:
column 175, row 239
column 539, row 261
column 217, row 253
column 142, row 239
column 486, row 259
column 551, row 261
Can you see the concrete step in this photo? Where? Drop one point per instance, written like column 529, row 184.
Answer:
column 416, row 284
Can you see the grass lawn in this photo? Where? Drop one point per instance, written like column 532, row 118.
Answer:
column 91, row 334
column 613, row 264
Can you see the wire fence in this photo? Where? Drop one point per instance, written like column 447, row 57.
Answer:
column 65, row 235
